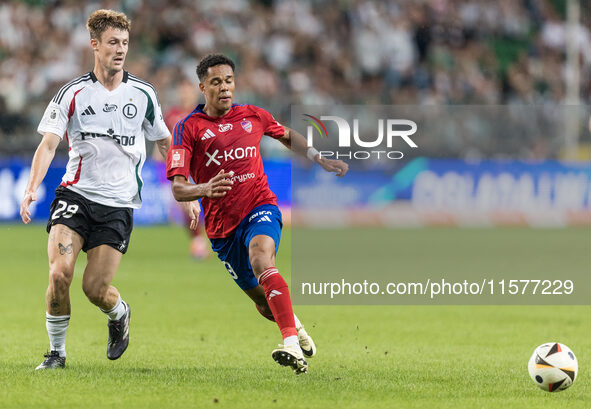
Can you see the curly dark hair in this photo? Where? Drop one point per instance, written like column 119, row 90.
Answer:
column 212, row 60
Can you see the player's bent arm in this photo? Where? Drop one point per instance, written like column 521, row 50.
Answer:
column 39, row 166
column 185, row 191
column 164, row 145
column 297, row 143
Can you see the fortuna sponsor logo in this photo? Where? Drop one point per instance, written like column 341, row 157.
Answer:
column 122, row 140
column 274, row 293
column 265, row 213
column 232, row 154
column 225, row 127
column 207, row 134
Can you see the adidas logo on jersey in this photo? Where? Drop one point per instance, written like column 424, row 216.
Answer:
column 274, row 293
column 89, row 111
column 264, row 219
column 208, row 134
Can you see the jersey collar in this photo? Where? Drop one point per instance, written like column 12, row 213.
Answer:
column 94, row 79
column 199, row 109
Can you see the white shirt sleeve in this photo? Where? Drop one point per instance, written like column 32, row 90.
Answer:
column 154, row 127
column 55, row 119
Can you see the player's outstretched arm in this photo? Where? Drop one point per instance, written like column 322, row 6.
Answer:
column 217, row 187
column 297, row 143
column 41, row 161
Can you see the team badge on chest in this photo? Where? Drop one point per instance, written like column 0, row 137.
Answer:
column 246, row 125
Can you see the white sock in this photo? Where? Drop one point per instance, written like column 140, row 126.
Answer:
column 297, row 322
column 56, row 329
column 291, row 340
column 117, row 311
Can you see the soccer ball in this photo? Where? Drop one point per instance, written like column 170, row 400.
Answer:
column 553, row 367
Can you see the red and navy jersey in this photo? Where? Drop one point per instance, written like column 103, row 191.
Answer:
column 203, row 145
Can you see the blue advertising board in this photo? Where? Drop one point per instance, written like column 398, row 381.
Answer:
column 444, row 184
column 157, row 201
column 453, row 185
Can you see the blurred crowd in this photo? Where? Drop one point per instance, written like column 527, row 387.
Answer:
column 314, row 52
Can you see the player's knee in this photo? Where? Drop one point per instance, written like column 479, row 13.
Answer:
column 260, row 262
column 94, row 292
column 261, row 253
column 59, row 279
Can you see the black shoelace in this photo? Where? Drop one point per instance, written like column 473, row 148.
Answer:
column 50, row 354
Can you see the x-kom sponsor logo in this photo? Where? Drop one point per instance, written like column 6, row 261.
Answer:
column 388, row 129
column 226, row 155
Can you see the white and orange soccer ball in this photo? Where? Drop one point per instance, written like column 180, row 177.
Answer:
column 553, row 367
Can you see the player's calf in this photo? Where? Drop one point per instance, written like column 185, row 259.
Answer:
column 279, row 300
column 265, row 311
column 99, row 292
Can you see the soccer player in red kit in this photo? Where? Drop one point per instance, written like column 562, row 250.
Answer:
column 218, row 146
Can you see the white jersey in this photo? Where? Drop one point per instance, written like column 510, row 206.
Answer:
column 105, row 131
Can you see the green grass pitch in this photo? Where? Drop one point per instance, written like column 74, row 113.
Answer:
column 198, row 342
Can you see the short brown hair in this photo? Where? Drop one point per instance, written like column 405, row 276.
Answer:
column 100, row 20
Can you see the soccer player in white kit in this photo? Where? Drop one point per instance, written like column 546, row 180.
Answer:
column 105, row 116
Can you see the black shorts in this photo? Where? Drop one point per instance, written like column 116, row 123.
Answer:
column 96, row 223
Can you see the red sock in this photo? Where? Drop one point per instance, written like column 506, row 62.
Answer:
column 277, row 295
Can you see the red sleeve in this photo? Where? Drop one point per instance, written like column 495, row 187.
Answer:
column 271, row 127
column 178, row 160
